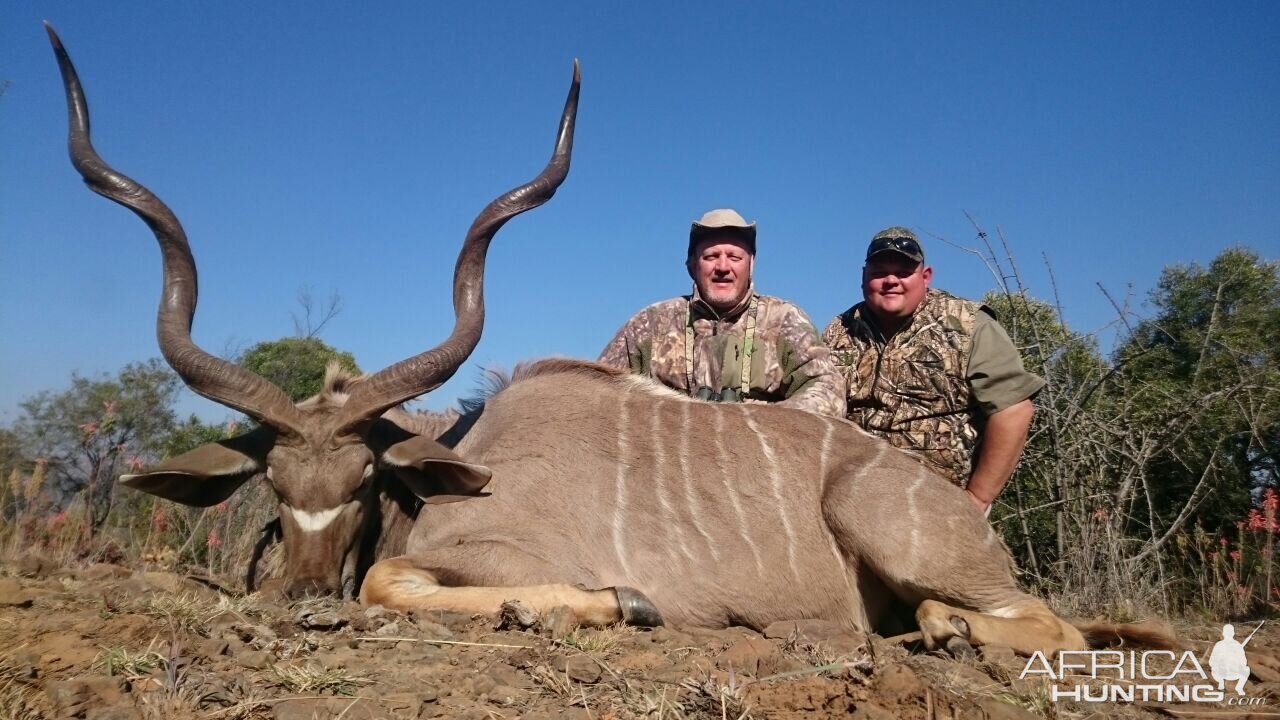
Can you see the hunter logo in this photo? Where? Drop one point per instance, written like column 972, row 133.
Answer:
column 1149, row 676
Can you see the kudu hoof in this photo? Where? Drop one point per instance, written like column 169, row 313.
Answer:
column 958, row 647
column 636, row 608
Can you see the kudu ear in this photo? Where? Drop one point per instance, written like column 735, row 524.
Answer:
column 434, row 472
column 208, row 474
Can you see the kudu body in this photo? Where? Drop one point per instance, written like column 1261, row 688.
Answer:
column 597, row 483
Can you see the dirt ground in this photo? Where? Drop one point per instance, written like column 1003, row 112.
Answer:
column 105, row 642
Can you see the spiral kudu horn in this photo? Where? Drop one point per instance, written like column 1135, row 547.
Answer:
column 428, row 370
column 207, row 375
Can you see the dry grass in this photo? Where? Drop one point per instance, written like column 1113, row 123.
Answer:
column 120, row 661
column 598, row 641
column 315, row 678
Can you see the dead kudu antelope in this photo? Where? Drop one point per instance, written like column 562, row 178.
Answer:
column 603, row 492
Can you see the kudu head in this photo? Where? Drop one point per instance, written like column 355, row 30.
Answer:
column 322, row 455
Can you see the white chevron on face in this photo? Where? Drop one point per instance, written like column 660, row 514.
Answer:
column 315, row 521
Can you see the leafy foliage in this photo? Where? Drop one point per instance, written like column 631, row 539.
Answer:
column 296, row 364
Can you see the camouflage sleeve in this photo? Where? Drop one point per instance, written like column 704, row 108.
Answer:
column 629, row 349
column 809, row 373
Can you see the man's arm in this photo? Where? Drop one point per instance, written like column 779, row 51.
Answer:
column 1002, row 391
column 1002, row 442
column 809, row 372
column 625, row 351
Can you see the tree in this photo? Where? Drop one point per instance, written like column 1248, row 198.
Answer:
column 296, row 364
column 1206, row 371
column 86, row 435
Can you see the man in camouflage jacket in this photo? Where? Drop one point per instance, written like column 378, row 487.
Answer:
column 725, row 342
column 932, row 373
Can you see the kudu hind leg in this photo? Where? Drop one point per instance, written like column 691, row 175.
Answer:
column 404, row 583
column 925, row 540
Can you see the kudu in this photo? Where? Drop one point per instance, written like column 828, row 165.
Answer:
column 595, row 482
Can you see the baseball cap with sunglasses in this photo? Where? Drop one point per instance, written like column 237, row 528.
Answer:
column 896, row 239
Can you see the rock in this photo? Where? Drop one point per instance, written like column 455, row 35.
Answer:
column 433, row 630
column 113, row 713
column 997, row 710
column 898, row 683
column 524, row 658
column 503, row 674
column 558, row 623
column 666, row 636
column 402, row 706
column 254, row 660
column 213, row 647
column 12, row 595
column 846, row 645
column 996, row 654
column 643, row 660
column 254, row 634
column 104, row 571
column 391, row 629
column 579, row 668
column 515, row 615
column 29, row 565
column 506, row 694
column 971, row 679
column 321, row 620
column 871, row 711
column 107, row 690
column 804, row 630
column 301, row 709
column 746, row 656
column 69, row 697
column 25, row 666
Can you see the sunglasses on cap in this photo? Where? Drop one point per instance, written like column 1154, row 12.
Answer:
column 905, row 245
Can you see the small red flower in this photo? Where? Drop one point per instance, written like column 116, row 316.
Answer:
column 1241, row 590
column 159, row 520
column 1100, row 514
column 1235, row 555
column 135, row 463
column 214, row 540
column 1222, row 541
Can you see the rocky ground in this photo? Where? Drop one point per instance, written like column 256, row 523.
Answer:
column 105, row 642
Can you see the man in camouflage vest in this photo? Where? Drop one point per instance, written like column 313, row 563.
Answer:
column 725, row 342
column 932, row 373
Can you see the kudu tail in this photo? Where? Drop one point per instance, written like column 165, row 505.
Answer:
column 1149, row 634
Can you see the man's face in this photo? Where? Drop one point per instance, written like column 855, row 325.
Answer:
column 721, row 269
column 894, row 286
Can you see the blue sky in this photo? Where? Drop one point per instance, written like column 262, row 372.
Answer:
column 347, row 147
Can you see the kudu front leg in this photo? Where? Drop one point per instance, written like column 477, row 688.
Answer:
column 402, row 583
column 924, row 539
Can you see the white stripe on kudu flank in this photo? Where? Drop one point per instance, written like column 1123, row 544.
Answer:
column 314, row 521
column 671, row 523
column 775, row 484
column 620, row 486
column 729, row 480
column 913, row 516
column 690, row 497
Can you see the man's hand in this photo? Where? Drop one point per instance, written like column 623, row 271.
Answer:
column 1002, row 443
column 982, row 504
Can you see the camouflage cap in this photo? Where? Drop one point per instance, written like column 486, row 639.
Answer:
column 896, row 239
column 723, row 220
